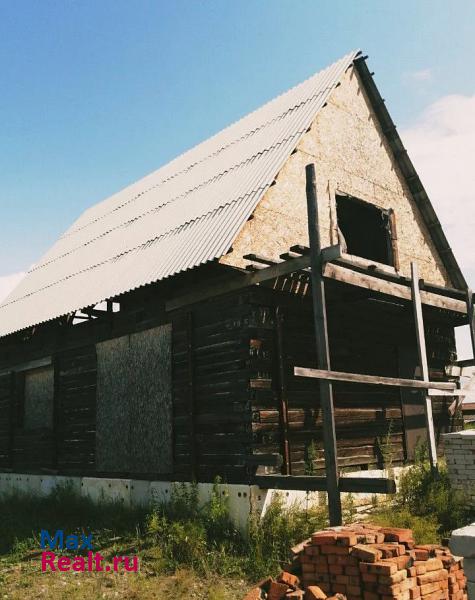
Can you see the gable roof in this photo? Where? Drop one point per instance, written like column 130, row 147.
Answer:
column 183, row 215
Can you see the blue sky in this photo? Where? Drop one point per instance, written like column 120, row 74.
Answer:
column 95, row 94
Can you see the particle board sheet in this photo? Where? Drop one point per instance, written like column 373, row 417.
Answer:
column 134, row 403
column 39, row 398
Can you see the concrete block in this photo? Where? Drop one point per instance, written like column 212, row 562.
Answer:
column 462, row 541
column 471, row 590
column 160, row 491
column 100, row 489
column 5, row 483
column 140, row 492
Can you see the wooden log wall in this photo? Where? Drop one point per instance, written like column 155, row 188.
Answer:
column 366, row 336
column 211, row 375
column 76, row 373
column 5, row 420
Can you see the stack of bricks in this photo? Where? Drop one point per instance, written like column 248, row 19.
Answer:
column 368, row 562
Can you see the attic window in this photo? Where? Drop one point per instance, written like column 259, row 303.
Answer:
column 366, row 230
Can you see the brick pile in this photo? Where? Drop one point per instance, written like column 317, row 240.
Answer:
column 367, row 562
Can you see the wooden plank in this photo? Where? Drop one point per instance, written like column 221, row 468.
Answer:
column 471, row 319
column 346, row 274
column 28, row 366
column 372, row 379
column 323, row 352
column 423, row 363
column 368, row 485
column 236, row 283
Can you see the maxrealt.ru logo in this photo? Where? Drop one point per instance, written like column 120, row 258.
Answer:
column 92, row 561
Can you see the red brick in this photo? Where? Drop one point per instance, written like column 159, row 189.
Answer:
column 415, row 592
column 313, row 550
column 339, row 588
column 354, row 590
column 314, row 592
column 336, row 569
column 421, row 553
column 369, row 577
column 392, row 579
column 433, row 564
column 329, row 549
column 396, row 534
column 295, row 595
column 432, row 576
column 322, row 538
column 352, row 570
column 366, row 553
column 380, row 568
column 370, row 595
column 254, row 594
column 429, row 588
column 290, row 580
column 308, row 568
column 299, row 548
column 277, row 591
column 403, row 562
column 411, row 572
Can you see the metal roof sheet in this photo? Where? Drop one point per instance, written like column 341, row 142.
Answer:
column 186, row 213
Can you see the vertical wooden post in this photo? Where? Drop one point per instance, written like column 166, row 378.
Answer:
column 191, row 396
column 283, row 409
column 421, row 348
column 471, row 319
column 323, row 353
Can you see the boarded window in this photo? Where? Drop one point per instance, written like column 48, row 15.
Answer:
column 134, row 403
column 365, row 229
column 38, row 398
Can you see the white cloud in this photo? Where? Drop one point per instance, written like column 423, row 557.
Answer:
column 441, row 144
column 8, row 282
column 421, row 75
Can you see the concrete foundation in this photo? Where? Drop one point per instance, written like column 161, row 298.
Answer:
column 243, row 499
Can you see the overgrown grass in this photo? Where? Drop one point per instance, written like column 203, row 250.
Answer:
column 426, row 502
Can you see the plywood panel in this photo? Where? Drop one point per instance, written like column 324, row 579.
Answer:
column 134, row 406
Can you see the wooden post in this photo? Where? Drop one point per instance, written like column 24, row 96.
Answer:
column 471, row 319
column 284, row 413
column 421, row 348
column 323, row 353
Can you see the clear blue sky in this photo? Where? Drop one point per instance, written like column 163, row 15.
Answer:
column 95, row 94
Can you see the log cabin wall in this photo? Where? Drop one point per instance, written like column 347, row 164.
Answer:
column 366, row 336
column 234, row 392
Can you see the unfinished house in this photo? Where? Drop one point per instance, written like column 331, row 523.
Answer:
column 157, row 340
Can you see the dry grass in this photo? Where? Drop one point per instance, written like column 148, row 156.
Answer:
column 25, row 581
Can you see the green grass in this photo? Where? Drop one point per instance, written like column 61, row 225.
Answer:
column 426, row 503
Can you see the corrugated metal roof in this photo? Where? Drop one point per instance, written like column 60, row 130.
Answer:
column 186, row 213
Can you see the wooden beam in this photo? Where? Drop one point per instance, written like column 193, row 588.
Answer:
column 239, row 282
column 423, row 363
column 38, row 363
column 376, row 280
column 365, row 485
column 346, row 274
column 264, row 460
column 471, row 319
column 283, row 394
column 323, row 352
column 373, row 379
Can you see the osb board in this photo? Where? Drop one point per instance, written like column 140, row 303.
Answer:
column 134, row 403
column 39, row 398
column 351, row 156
